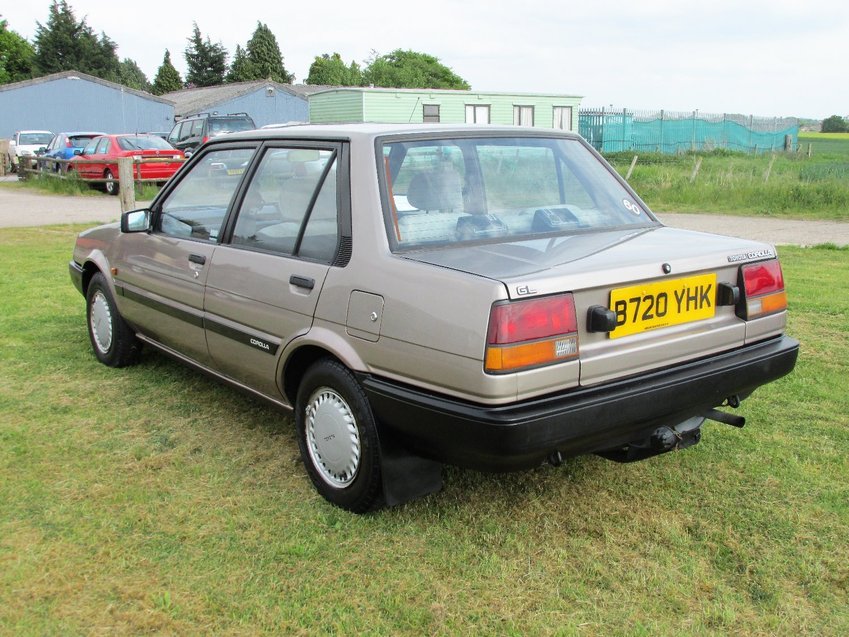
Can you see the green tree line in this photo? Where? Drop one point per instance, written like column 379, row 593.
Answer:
column 65, row 43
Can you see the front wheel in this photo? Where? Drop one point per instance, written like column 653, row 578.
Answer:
column 112, row 187
column 112, row 340
column 338, row 437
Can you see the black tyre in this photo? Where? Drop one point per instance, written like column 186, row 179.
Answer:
column 338, row 437
column 112, row 187
column 112, row 340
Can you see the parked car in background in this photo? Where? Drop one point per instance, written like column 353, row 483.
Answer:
column 490, row 297
column 65, row 146
column 25, row 145
column 191, row 132
column 99, row 159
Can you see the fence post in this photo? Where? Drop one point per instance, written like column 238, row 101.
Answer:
column 696, row 170
column 631, row 169
column 127, row 187
column 662, row 146
column 695, row 114
column 769, row 168
column 601, row 150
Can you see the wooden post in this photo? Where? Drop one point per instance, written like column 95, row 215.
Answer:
column 127, row 187
column 810, row 149
column 631, row 169
column 696, row 170
column 4, row 152
column 769, row 168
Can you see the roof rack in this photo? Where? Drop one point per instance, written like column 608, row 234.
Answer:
column 212, row 114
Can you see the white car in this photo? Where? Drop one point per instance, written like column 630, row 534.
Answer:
column 26, row 143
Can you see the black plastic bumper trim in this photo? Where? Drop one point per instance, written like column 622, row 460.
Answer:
column 523, row 434
column 76, row 272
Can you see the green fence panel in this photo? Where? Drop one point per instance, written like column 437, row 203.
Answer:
column 610, row 130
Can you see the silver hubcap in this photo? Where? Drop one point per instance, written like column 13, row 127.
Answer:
column 101, row 322
column 333, row 440
column 111, row 186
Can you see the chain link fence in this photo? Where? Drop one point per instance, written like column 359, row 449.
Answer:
column 616, row 130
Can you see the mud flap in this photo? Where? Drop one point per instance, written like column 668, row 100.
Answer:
column 406, row 476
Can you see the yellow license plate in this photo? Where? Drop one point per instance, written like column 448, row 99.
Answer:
column 235, row 171
column 650, row 306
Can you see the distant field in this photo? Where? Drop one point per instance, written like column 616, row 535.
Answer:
column 823, row 136
column 826, row 145
column 790, row 185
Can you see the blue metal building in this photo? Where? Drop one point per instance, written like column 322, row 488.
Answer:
column 72, row 100
column 266, row 101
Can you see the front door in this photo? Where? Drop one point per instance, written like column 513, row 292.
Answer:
column 162, row 277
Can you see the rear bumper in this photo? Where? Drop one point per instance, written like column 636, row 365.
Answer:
column 522, row 435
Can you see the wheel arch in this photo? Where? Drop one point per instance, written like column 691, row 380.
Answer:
column 94, row 263
column 316, row 344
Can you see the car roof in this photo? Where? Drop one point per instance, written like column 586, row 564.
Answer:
column 365, row 131
column 78, row 133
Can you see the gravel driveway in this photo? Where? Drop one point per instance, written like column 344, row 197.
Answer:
column 27, row 208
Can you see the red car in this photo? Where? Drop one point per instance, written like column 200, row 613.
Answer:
column 99, row 159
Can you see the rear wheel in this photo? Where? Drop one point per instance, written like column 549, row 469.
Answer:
column 112, row 187
column 112, row 340
column 338, row 437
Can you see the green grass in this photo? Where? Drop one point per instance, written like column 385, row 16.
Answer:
column 73, row 185
column 791, row 186
column 154, row 500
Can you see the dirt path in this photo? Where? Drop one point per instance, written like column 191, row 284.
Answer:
column 28, row 208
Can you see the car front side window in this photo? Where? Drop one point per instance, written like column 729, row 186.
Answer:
column 196, row 208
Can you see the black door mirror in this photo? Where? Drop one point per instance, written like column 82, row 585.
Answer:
column 135, row 221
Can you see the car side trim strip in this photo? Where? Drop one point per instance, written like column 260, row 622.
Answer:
column 262, row 342
column 195, row 319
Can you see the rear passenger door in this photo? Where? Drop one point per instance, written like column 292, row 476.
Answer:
column 264, row 280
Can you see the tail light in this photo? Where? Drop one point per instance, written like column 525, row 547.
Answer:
column 205, row 139
column 531, row 333
column 763, row 287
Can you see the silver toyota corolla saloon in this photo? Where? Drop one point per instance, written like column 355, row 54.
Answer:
column 488, row 297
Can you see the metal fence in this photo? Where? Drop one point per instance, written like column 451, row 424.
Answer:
column 615, row 130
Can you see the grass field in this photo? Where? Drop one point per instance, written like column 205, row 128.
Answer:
column 75, row 186
column 793, row 185
column 154, row 500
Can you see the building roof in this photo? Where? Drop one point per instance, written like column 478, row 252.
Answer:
column 439, row 91
column 76, row 75
column 189, row 101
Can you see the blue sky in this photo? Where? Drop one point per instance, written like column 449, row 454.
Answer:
column 776, row 58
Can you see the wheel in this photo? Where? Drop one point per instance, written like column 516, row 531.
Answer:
column 112, row 187
column 112, row 340
column 338, row 437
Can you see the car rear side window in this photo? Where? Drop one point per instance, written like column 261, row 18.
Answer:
column 290, row 206
column 196, row 208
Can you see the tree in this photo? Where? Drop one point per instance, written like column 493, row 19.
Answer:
column 835, row 124
column 167, row 77
column 410, row 69
column 206, row 62
column 266, row 61
column 242, row 69
column 16, row 56
column 330, row 70
column 129, row 74
column 64, row 44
